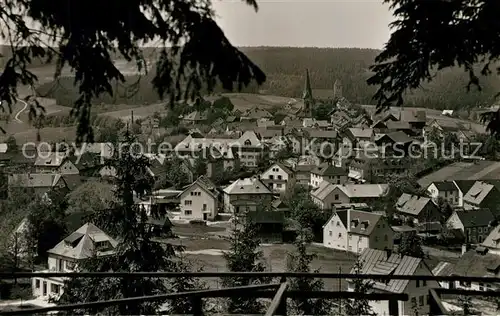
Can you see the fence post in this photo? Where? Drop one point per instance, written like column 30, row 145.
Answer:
column 393, row 307
column 282, row 306
column 197, row 303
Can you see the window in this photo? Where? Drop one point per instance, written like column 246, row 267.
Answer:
column 338, row 224
column 188, row 202
column 421, row 300
column 204, row 207
column 376, row 238
column 336, row 196
column 417, row 283
column 37, row 283
column 54, row 288
column 60, row 265
column 280, row 177
column 271, row 177
column 413, row 301
column 188, row 212
column 70, row 265
column 481, row 288
column 192, row 193
column 340, row 235
column 330, row 233
column 279, row 185
column 424, row 282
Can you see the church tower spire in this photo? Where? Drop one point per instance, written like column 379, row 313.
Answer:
column 307, row 96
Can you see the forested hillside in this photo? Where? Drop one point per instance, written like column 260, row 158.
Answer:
column 285, row 69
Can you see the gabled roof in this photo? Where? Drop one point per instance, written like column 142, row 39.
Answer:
column 355, row 221
column 81, row 243
column 34, row 180
column 464, row 185
column 384, row 263
column 361, row 132
column 399, row 137
column 443, row 269
column 247, row 186
column 445, row 186
column 196, row 116
column 53, row 159
column 281, row 166
column 205, row 184
column 412, row 204
column 493, row 239
column 397, row 125
column 324, row 189
column 364, row 190
column 478, row 192
column 474, row 264
column 326, row 169
column 476, row 218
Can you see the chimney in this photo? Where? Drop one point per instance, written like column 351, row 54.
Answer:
column 465, row 248
column 388, row 252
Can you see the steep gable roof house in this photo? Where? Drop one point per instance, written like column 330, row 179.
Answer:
column 419, row 209
column 55, row 162
column 255, row 114
column 354, row 230
column 483, row 194
column 327, row 195
column 387, row 263
column 474, row 225
column 85, row 242
column 249, row 194
column 195, row 117
column 201, row 206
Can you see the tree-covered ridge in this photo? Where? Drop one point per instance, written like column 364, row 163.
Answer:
column 285, row 70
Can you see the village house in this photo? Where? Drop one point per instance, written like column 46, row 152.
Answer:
column 84, row 243
column 483, row 194
column 492, row 241
column 327, row 195
column 446, row 190
column 444, row 268
column 417, row 119
column 474, row 225
column 279, row 178
column 38, row 183
column 386, row 262
column 417, row 209
column 479, row 262
column 329, row 173
column 54, row 162
column 358, row 137
column 353, row 230
column 394, row 142
column 195, row 117
column 199, row 201
column 249, row 194
column 303, row 174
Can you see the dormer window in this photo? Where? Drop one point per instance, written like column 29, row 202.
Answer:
column 354, row 223
column 248, row 142
column 102, row 245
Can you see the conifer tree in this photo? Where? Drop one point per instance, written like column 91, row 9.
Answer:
column 411, row 245
column 244, row 256
column 359, row 306
column 135, row 252
column 300, row 261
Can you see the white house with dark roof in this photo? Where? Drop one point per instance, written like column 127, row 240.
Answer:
column 352, row 230
column 329, row 173
column 386, row 262
column 279, row 178
column 327, row 195
column 84, row 243
column 446, row 190
column 199, row 201
column 249, row 194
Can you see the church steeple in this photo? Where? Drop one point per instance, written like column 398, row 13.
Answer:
column 307, row 96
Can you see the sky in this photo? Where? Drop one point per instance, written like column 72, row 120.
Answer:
column 320, row 23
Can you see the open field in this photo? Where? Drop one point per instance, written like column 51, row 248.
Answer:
column 139, row 111
column 207, row 254
column 47, row 134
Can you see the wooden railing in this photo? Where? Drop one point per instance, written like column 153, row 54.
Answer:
column 279, row 292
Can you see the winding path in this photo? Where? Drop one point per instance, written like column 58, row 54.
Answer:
column 21, row 111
